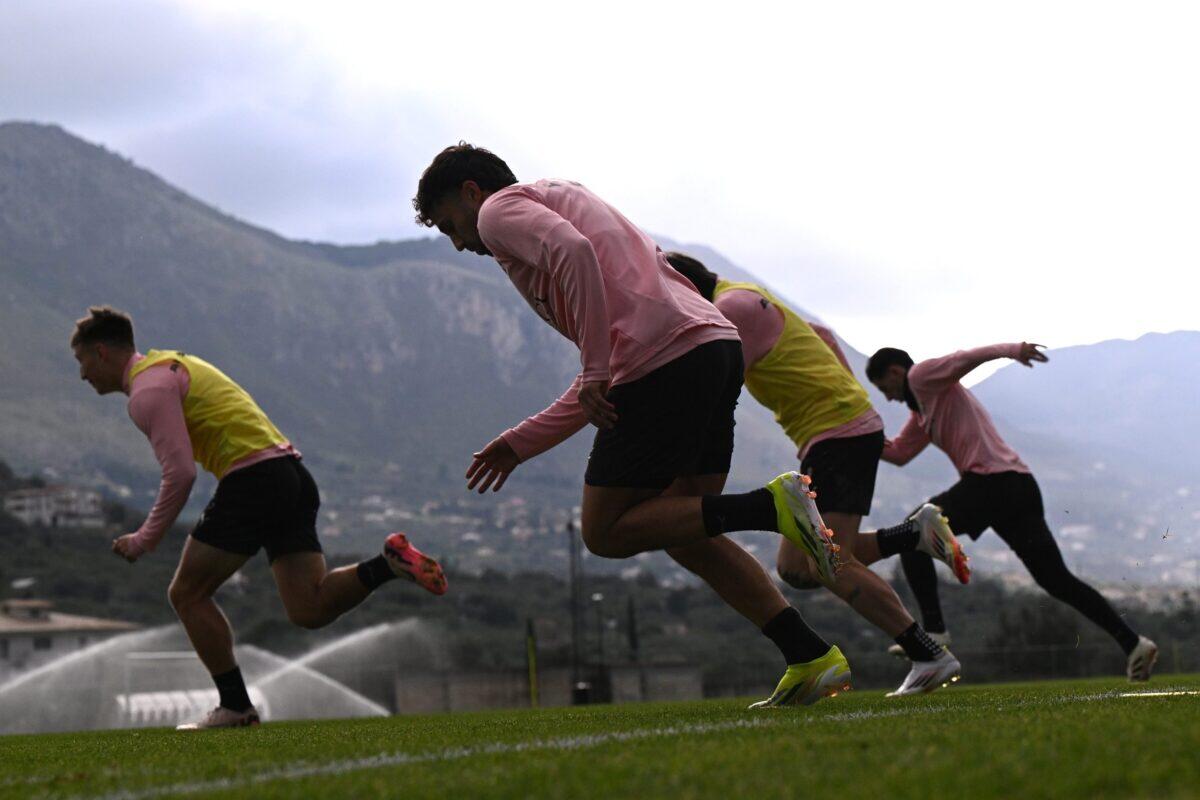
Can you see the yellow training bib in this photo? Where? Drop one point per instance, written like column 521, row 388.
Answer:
column 800, row 379
column 223, row 421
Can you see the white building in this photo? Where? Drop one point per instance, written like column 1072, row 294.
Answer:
column 31, row 634
column 56, row 507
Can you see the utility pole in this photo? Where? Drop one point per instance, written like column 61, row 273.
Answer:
column 632, row 631
column 579, row 688
column 635, row 648
column 531, row 661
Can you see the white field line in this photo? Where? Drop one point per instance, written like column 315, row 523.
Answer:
column 297, row 770
column 306, row 769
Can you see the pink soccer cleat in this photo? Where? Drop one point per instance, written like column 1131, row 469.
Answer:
column 409, row 562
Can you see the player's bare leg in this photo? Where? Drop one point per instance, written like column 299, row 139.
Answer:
column 734, row 574
column 622, row 522
column 814, row 668
column 876, row 601
column 312, row 594
column 315, row 595
column 201, row 571
column 861, row 589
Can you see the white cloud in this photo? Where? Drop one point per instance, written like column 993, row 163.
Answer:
column 931, row 175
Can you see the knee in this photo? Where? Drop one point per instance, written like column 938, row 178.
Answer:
column 305, row 609
column 308, row 618
column 604, row 544
column 183, row 596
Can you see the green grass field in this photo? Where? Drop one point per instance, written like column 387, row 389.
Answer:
column 1060, row 739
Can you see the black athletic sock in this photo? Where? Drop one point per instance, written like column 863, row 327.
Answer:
column 922, row 579
column 900, row 538
column 791, row 634
column 752, row 511
column 917, row 644
column 232, row 689
column 374, row 572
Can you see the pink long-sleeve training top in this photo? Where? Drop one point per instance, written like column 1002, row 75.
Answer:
column 600, row 281
column 156, row 408
column 760, row 324
column 952, row 418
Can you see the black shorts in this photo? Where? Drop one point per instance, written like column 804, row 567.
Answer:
column 672, row 422
column 272, row 505
column 843, row 472
column 1004, row 501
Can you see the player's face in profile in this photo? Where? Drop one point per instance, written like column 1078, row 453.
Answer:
column 94, row 367
column 891, row 383
column 457, row 216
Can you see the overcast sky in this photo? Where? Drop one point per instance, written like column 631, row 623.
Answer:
column 925, row 175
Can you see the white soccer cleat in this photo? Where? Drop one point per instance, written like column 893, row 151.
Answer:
column 939, row 541
column 938, row 638
column 221, row 717
column 1141, row 660
column 925, row 676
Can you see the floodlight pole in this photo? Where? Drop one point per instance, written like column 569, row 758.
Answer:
column 575, row 576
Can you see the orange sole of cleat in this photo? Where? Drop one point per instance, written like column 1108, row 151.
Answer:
column 962, row 570
column 845, row 687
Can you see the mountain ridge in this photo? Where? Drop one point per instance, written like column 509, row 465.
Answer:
column 387, row 363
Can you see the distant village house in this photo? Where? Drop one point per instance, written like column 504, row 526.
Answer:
column 31, row 633
column 56, row 507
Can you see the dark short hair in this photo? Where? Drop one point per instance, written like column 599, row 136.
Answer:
column 453, row 167
column 104, row 325
column 701, row 277
column 885, row 357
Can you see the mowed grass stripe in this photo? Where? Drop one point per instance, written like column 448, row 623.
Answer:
column 681, row 750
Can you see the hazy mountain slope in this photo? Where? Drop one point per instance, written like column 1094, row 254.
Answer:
column 388, row 364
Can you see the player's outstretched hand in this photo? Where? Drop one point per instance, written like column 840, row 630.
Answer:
column 594, row 402
column 491, row 466
column 1030, row 353
column 127, row 547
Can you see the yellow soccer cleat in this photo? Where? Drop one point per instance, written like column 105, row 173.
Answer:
column 805, row 684
column 800, row 521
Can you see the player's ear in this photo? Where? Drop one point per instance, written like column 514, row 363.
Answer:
column 471, row 192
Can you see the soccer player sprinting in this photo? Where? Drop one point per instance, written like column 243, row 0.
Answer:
column 798, row 371
column 265, row 499
column 996, row 489
column 661, row 373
